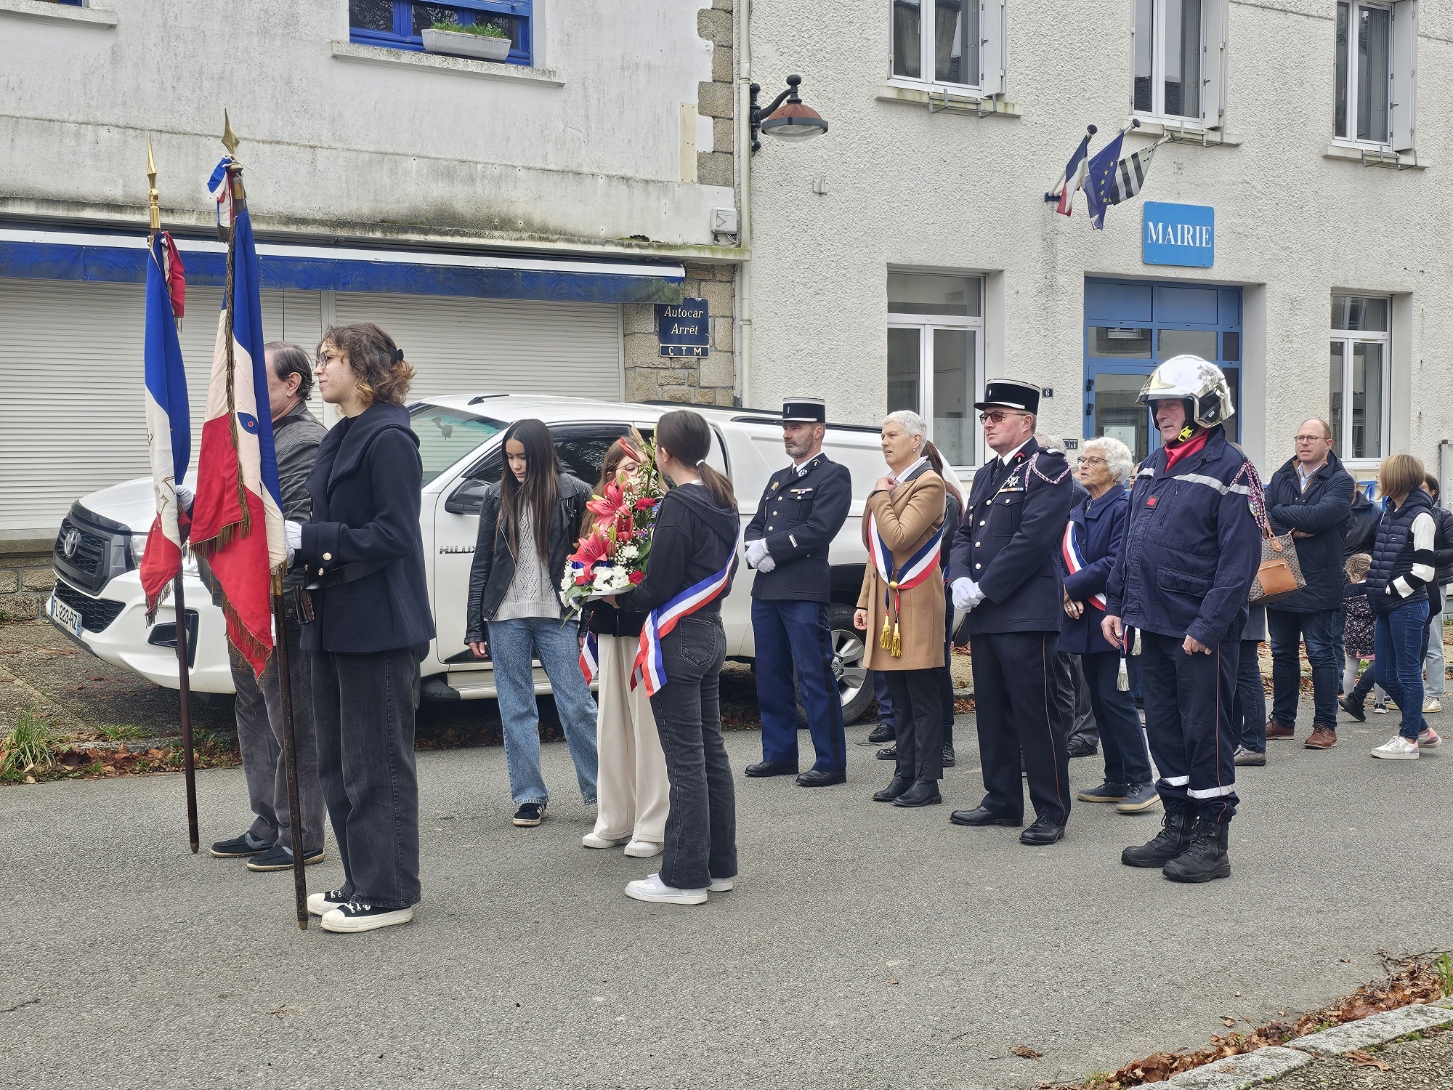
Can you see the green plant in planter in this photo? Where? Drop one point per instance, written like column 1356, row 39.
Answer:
column 482, row 30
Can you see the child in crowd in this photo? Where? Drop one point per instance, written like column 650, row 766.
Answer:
column 1357, row 641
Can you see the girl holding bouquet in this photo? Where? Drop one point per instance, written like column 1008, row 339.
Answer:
column 527, row 527
column 693, row 546
column 632, row 789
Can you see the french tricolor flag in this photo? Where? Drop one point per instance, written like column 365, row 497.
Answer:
column 1073, row 179
column 237, row 518
column 168, row 419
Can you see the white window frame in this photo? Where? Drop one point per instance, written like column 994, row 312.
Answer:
column 1354, row 7
column 991, row 52
column 1212, row 74
column 926, row 324
column 1347, row 338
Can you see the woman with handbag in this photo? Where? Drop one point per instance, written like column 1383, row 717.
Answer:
column 1397, row 587
column 528, row 524
column 364, row 556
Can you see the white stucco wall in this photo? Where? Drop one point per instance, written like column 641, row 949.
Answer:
column 964, row 194
column 591, row 152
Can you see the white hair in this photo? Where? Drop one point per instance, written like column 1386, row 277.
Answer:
column 909, row 421
column 1049, row 442
column 1118, row 459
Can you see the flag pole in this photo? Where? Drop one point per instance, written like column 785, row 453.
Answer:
column 290, row 745
column 179, row 599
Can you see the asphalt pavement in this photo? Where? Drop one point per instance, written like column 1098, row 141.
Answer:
column 864, row 946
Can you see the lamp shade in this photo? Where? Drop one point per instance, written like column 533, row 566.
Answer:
column 794, row 121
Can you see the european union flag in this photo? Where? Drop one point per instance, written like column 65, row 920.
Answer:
column 1100, row 183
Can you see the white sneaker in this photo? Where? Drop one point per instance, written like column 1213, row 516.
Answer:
column 361, row 916
column 320, row 904
column 1432, row 704
column 643, row 849
column 720, row 885
column 1379, row 709
column 651, row 888
column 1399, row 749
column 590, row 840
column 1429, row 738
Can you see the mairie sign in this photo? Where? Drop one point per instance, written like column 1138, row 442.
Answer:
column 1178, row 234
column 683, row 328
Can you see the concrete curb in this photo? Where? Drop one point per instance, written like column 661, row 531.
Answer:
column 1271, row 1063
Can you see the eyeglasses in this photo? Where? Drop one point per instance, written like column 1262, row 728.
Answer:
column 998, row 416
column 1313, row 439
column 325, row 358
column 1092, row 461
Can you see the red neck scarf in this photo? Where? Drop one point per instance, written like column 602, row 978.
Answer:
column 1175, row 452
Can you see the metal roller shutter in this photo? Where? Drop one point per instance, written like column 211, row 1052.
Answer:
column 481, row 346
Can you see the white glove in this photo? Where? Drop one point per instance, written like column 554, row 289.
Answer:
column 766, row 563
column 755, row 551
column 185, row 498
column 292, row 538
column 966, row 594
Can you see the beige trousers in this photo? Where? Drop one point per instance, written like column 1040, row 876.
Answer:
column 632, row 792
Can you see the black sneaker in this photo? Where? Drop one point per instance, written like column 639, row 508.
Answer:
column 949, row 759
column 880, row 734
column 1353, row 708
column 280, row 858
column 361, row 916
column 531, row 813
column 888, row 753
column 240, row 846
column 320, row 904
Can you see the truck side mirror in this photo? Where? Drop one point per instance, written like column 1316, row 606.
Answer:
column 468, row 498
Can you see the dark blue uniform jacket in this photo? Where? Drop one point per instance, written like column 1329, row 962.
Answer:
column 798, row 517
column 1191, row 548
column 1099, row 527
column 1323, row 512
column 1009, row 542
column 365, row 487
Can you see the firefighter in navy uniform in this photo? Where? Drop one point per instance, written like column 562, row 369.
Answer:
column 1004, row 569
column 800, row 512
column 1191, row 549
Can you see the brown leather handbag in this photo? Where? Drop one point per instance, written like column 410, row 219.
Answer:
column 1280, row 572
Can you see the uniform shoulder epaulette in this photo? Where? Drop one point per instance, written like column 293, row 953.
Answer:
column 1049, row 465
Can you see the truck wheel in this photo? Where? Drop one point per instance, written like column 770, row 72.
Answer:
column 854, row 685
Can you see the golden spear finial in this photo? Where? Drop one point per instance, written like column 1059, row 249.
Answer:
column 229, row 138
column 152, row 194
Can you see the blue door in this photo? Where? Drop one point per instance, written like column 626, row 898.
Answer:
column 1130, row 327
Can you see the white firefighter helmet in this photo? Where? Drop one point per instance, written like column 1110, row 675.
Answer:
column 1190, row 378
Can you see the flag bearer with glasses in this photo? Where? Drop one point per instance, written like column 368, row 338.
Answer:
column 1005, row 571
column 800, row 512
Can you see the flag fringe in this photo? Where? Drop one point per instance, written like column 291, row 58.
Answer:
column 250, row 648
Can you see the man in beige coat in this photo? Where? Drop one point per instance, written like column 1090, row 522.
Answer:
column 901, row 606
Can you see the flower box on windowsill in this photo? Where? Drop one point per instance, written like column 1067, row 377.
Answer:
column 455, row 44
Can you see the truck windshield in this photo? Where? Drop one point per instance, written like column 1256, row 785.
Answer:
column 447, row 436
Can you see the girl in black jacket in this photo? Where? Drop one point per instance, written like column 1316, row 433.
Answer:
column 527, row 527
column 694, row 542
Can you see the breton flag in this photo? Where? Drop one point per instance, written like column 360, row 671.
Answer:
column 168, row 418
column 1130, row 175
column 1113, row 179
column 237, row 517
column 1073, row 178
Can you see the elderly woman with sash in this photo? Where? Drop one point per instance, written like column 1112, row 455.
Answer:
column 683, row 646
column 901, row 605
column 1087, row 556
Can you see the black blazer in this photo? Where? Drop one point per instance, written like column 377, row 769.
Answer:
column 365, row 487
column 798, row 517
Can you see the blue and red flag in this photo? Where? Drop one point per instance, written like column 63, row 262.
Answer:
column 168, row 418
column 237, row 517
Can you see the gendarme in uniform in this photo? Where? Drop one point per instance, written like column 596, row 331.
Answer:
column 801, row 510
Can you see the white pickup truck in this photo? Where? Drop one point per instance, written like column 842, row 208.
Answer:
column 98, row 599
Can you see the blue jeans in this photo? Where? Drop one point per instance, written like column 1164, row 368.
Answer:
column 1397, row 638
column 513, row 644
column 1320, row 631
column 1248, row 712
column 1127, row 761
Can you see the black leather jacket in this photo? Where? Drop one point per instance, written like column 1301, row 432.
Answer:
column 494, row 566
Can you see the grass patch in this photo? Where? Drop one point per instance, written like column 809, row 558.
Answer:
column 121, row 732
column 27, row 748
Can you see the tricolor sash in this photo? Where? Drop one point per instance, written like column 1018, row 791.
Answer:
column 1070, row 550
column 590, row 658
column 649, row 664
column 915, row 570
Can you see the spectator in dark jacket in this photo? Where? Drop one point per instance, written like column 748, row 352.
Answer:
column 1433, row 662
column 1362, row 526
column 1310, row 496
column 1092, row 542
column 371, row 621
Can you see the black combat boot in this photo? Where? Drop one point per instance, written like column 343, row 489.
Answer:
column 1173, row 839
column 1205, row 859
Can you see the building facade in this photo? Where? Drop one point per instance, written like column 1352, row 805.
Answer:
column 513, row 223
column 1290, row 229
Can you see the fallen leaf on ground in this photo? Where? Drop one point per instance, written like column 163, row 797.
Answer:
column 1361, row 1058
column 1026, row 1052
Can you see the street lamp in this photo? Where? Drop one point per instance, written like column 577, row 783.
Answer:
column 787, row 118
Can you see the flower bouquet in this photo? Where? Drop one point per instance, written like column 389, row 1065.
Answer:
column 611, row 556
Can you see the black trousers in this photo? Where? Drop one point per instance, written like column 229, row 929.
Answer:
column 1014, row 694
column 918, row 716
column 1188, row 702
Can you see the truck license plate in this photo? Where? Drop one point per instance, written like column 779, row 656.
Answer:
column 64, row 616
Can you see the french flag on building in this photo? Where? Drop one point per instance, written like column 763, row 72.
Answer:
column 168, row 419
column 1073, row 178
column 237, row 518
